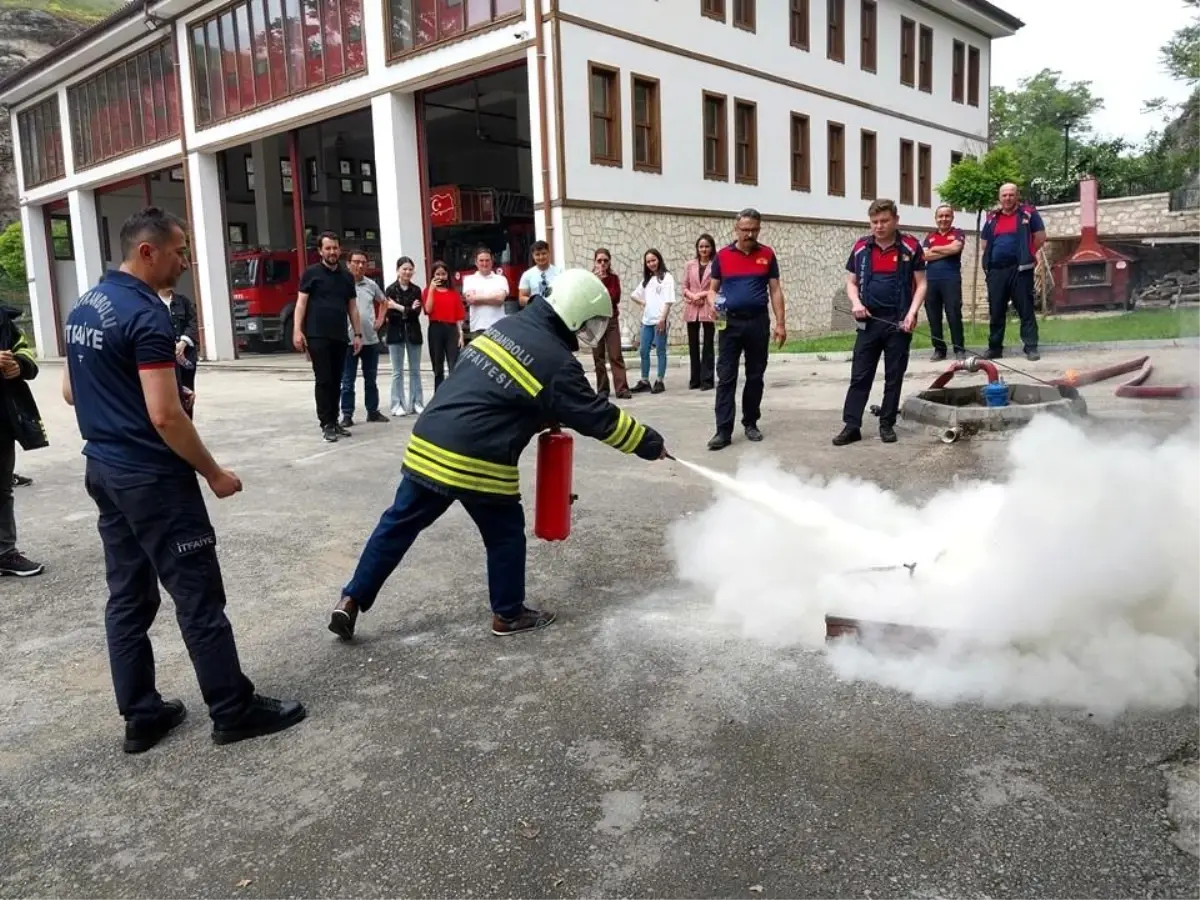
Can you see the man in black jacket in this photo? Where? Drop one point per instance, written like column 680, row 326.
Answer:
column 187, row 334
column 518, row 378
column 20, row 423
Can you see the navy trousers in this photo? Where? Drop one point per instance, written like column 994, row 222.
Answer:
column 876, row 338
column 156, row 527
column 415, row 508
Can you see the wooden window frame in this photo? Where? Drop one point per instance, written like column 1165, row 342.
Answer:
column 801, row 147
column 68, row 252
column 654, row 166
column 835, row 178
column 958, row 73
column 868, row 150
column 799, row 24
column 721, row 173
column 924, row 175
column 495, row 22
column 752, row 144
column 907, row 151
column 868, row 37
column 615, row 125
column 713, row 9
column 925, row 50
column 908, row 52
column 835, row 30
column 973, row 60
column 742, row 22
column 39, row 131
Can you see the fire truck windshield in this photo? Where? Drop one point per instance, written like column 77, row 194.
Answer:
column 243, row 273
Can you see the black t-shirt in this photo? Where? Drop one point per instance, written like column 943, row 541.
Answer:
column 404, row 327
column 330, row 292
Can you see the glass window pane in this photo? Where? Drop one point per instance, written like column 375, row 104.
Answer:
column 171, row 88
column 133, row 95
column 479, row 12
column 258, row 46
column 277, row 49
column 507, row 7
column 599, row 137
column 451, row 19
column 335, row 52
column 245, row 57
column 216, row 79
column 599, row 94
column 229, row 67
column 424, row 22
column 314, row 49
column 402, row 25
column 293, row 30
column 641, row 103
column 199, row 74
column 352, row 35
column 158, row 93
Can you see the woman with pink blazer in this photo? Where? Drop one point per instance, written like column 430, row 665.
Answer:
column 699, row 314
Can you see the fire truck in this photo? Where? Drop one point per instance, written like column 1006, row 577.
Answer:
column 265, row 283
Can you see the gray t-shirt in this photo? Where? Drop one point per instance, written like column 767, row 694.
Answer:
column 367, row 293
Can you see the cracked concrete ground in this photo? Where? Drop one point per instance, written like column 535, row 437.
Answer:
column 636, row 748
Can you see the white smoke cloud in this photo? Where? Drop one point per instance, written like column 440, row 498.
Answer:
column 1075, row 582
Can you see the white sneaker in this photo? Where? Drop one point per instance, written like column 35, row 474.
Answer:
column 418, row 408
column 399, row 411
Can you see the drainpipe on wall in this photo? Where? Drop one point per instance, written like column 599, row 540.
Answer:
column 539, row 42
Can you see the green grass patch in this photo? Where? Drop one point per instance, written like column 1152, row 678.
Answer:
column 85, row 12
column 1081, row 328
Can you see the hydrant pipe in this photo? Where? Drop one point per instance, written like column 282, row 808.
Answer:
column 969, row 365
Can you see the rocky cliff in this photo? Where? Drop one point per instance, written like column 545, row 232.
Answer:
column 25, row 34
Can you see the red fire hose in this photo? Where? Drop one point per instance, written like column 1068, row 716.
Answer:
column 966, row 365
column 1133, row 388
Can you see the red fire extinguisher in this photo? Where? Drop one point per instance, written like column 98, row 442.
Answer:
column 555, row 465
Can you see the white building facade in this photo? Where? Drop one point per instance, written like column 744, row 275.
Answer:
column 637, row 135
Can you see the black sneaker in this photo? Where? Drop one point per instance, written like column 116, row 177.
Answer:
column 141, row 736
column 937, row 356
column 753, row 434
column 641, row 387
column 992, row 354
column 846, row 436
column 340, row 429
column 329, row 433
column 347, row 421
column 1032, row 355
column 707, row 386
column 960, row 355
column 625, row 394
column 343, row 617
column 264, row 716
column 376, row 416
column 719, row 441
column 15, row 563
column 658, row 388
column 887, row 433
column 21, row 480
column 528, row 620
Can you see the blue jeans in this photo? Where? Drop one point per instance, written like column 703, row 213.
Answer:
column 369, row 354
column 397, row 354
column 652, row 336
column 415, row 508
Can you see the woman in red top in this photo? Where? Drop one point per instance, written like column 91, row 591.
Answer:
column 446, row 313
column 610, row 345
column 699, row 314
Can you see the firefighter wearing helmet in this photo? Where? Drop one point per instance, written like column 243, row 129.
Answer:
column 515, row 380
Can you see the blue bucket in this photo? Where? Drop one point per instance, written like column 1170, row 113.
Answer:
column 995, row 394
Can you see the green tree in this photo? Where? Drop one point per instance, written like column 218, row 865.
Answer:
column 973, row 185
column 12, row 253
column 1180, row 55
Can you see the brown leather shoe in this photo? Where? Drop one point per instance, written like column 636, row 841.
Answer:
column 528, row 620
column 341, row 621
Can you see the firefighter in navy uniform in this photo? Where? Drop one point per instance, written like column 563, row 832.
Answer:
column 515, row 380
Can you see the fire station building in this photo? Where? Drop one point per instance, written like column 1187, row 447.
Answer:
column 426, row 127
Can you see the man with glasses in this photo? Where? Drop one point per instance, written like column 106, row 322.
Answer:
column 371, row 306
column 537, row 279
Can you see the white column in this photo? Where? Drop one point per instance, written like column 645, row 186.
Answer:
column 38, row 264
column 64, row 116
column 85, row 238
column 210, row 269
column 376, row 38
column 270, row 219
column 540, row 107
column 398, row 176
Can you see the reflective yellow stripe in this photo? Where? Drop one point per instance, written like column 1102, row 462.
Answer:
column 627, row 434
column 467, row 463
column 442, row 475
column 508, row 363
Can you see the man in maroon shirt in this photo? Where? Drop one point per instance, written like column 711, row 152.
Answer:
column 610, row 344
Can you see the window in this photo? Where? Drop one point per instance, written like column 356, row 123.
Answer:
column 605, row 94
column 62, row 242
column 869, row 188
column 743, row 14
column 906, row 173
column 908, row 51
column 713, row 9
column 870, row 17
column 801, row 161
column 745, row 140
column 647, row 125
column 798, row 24
column 973, row 76
column 958, row 73
column 137, row 106
column 926, row 60
column 924, row 175
column 835, row 37
column 257, row 52
column 39, row 130
column 955, row 158
column 716, row 147
column 415, row 25
column 837, row 160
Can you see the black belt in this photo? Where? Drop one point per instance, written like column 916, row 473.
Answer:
column 746, row 314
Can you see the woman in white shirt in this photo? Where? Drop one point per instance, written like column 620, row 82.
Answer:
column 655, row 295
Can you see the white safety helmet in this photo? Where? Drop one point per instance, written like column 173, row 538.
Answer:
column 582, row 302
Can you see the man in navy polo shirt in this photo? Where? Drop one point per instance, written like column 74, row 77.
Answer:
column 1012, row 237
column 886, row 286
column 943, row 276
column 143, row 454
column 744, row 287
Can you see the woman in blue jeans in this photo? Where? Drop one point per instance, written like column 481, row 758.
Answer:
column 655, row 295
column 404, row 339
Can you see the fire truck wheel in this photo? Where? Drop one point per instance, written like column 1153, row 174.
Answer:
column 285, row 335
